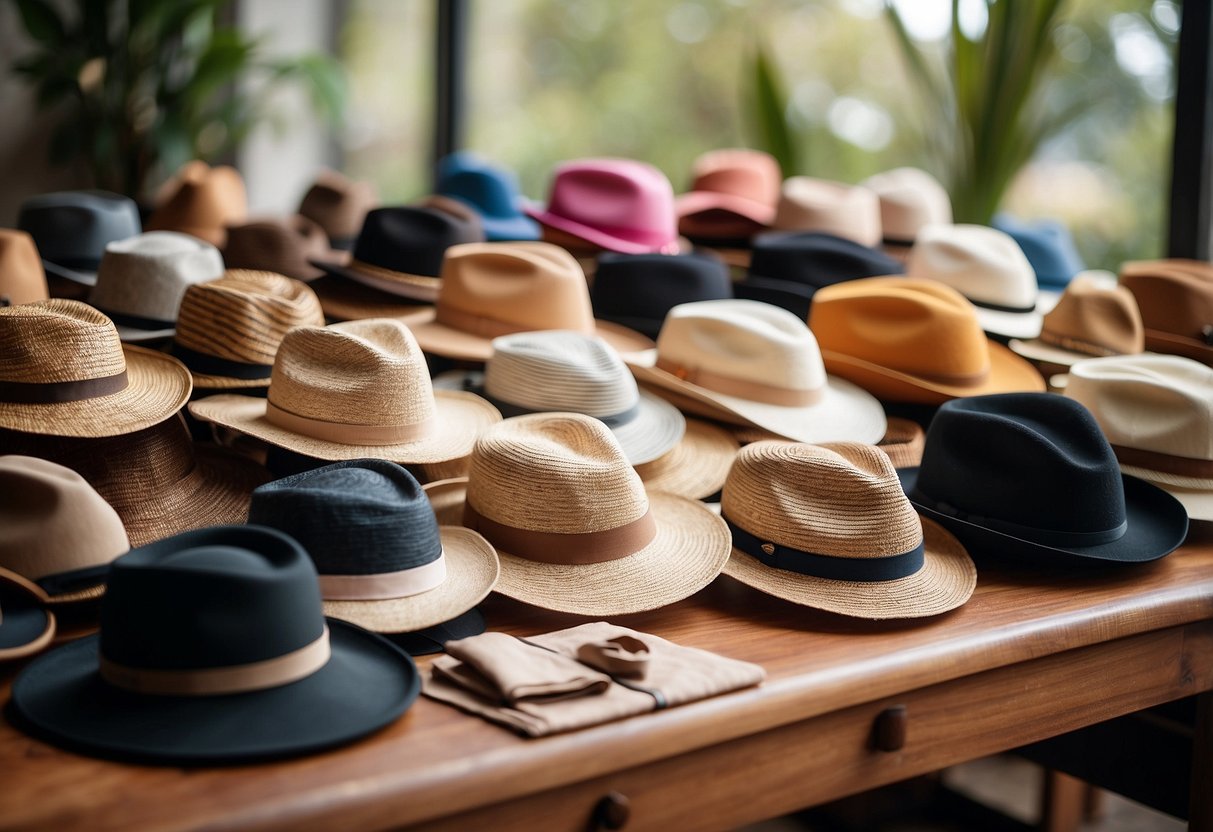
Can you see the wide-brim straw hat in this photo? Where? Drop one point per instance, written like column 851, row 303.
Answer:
column 696, row 467
column 26, row 626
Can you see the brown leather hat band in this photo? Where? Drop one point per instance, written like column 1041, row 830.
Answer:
column 55, row 392
column 1068, row 342
column 346, row 434
column 555, row 547
column 742, row 388
column 1182, row 466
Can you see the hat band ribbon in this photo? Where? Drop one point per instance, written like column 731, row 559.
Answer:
column 137, row 321
column 614, row 420
column 391, row 274
column 996, row 307
column 897, row 241
column 830, row 567
column 1067, row 342
column 381, row 586
column 55, row 392
column 213, row 365
column 61, row 583
column 1032, row 534
column 479, row 325
column 577, row 548
column 345, row 433
column 216, row 681
column 742, row 388
column 1182, row 466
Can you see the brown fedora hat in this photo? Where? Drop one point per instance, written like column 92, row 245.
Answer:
column 22, row 278
column 158, row 480
column 279, row 245
column 201, row 200
column 493, row 289
column 338, row 205
column 228, row 330
column 65, row 372
column 1176, row 302
column 346, row 300
column 353, row 390
column 1090, row 319
column 56, row 530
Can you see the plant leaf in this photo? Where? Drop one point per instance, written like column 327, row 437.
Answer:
column 41, row 21
column 769, row 107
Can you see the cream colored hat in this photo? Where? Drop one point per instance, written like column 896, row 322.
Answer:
column 851, row 211
column 829, row 527
column 142, row 280
column 493, row 289
column 758, row 364
column 909, row 199
column 1091, row 319
column 55, row 530
column 989, row 268
column 352, row 390
column 1157, row 413
column 572, row 524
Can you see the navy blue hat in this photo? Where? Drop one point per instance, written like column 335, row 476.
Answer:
column 787, row 268
column 1048, row 246
column 492, row 191
column 72, row 229
column 637, row 290
column 1031, row 476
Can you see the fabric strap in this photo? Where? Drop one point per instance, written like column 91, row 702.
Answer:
column 137, row 321
column 54, row 392
column 1032, row 534
column 743, row 388
column 863, row 570
column 216, row 681
column 212, row 365
column 1067, row 342
column 344, row 433
column 995, row 307
column 556, row 547
column 1182, row 466
column 383, row 585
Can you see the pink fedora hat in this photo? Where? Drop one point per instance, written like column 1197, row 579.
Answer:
column 615, row 204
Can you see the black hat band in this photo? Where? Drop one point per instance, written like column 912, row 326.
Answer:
column 830, row 567
column 56, row 392
column 1032, row 534
column 212, row 365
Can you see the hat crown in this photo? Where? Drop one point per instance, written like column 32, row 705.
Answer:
column 1033, row 460
column 490, row 190
column 209, row 598
column 743, row 340
column 630, row 287
column 361, row 517
column 207, row 199
column 244, row 315
column 275, row 245
column 752, row 174
column 909, row 199
column 561, row 473
column 22, row 278
column 1159, row 403
column 412, row 240
column 808, row 204
column 147, row 275
column 840, row 499
column 817, row 259
column 1176, row 299
column 73, row 227
column 983, row 264
column 58, row 340
column 338, row 205
column 1095, row 319
column 615, row 195
column 52, row 522
column 560, row 371
column 368, row 372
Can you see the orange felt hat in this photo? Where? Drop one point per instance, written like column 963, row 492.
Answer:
column 202, row 201
column 912, row 340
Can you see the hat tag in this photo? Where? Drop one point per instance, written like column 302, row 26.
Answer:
column 769, row 548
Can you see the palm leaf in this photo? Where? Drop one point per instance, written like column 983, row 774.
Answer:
column 768, row 107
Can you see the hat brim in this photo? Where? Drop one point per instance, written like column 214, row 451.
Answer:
column 135, row 335
column 157, row 387
column 26, row 626
column 417, row 287
column 510, row 229
column 696, row 467
column 1008, row 374
column 1171, row 344
column 433, row 639
column 1004, row 325
column 1045, row 353
column 945, row 581
column 458, row 418
column 204, row 383
column 691, row 547
column 439, row 339
column 1194, row 493
column 345, row 300
column 1156, row 525
column 595, row 237
column 61, row 698
column 696, row 202
column 471, row 571
column 84, row 278
column 844, row 413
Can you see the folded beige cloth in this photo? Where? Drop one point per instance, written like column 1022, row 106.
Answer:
column 550, row 683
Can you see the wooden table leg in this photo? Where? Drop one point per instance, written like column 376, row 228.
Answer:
column 1062, row 802
column 1200, row 807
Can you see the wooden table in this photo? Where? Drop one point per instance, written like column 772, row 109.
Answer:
column 1031, row 656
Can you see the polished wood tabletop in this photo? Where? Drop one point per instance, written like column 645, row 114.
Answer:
column 1053, row 649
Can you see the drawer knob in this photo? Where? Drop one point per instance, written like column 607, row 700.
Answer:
column 889, row 732
column 612, row 812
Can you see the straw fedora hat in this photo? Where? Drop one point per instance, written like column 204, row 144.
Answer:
column 492, row 289
column 1176, row 302
column 201, row 201
column 22, row 278
column 56, row 530
column 1157, row 413
column 696, row 467
column 638, row 290
column 26, row 626
column 65, row 372
column 228, row 330
column 750, row 362
column 284, row 246
column 142, row 280
column 72, row 228
column 572, row 524
column 1090, row 319
column 214, row 650
column 353, row 390
column 339, row 206
column 733, row 195
column 384, row 563
column 910, row 198
column 158, row 480
column 829, row 527
column 912, row 340
column 988, row 268
column 807, row 204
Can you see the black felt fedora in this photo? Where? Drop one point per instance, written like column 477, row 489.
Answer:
column 400, row 249
column 213, row 649
column 637, row 290
column 1027, row 475
column 787, row 268
column 72, row 229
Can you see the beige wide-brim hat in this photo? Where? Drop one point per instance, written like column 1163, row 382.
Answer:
column 347, row 300
column 696, row 467
column 947, row 579
column 439, row 339
column 688, row 552
column 471, row 571
column 458, row 418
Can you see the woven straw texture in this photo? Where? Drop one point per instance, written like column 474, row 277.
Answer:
column 22, row 278
column 243, row 316
column 696, row 467
column 842, row 500
column 338, row 205
column 1090, row 319
column 849, row 211
column 64, row 340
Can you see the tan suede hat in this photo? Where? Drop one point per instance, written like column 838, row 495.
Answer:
column 22, row 277
column 850, row 211
column 279, row 245
column 201, row 200
column 1176, row 302
column 1090, row 319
